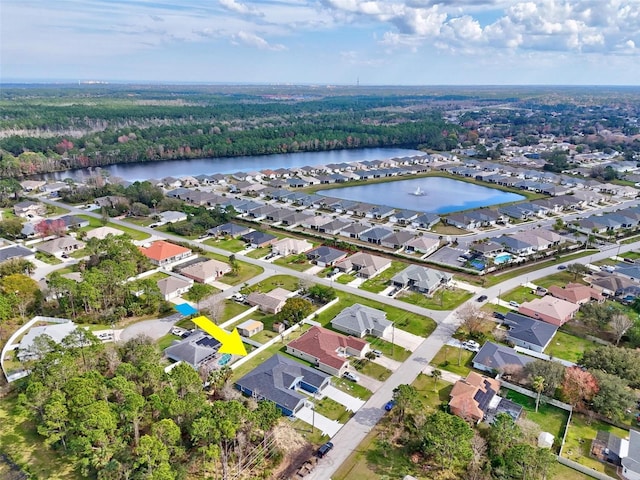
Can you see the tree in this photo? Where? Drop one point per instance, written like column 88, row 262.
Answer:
column 619, row 325
column 437, row 375
column 621, row 362
column 578, row 386
column 295, row 310
column 503, row 434
column 322, row 293
column 446, row 439
column 198, row 292
column 614, row 397
column 24, row 289
column 406, row 398
column 552, row 372
column 11, row 228
column 233, row 263
column 538, row 386
column 577, row 269
column 528, row 462
column 472, row 319
column 597, row 314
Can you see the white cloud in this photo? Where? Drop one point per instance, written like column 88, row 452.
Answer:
column 253, row 40
column 239, row 7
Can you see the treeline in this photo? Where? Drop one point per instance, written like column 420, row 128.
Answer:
column 114, row 413
column 149, row 133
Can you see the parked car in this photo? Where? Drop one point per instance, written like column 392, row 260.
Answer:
column 471, row 345
column 324, row 449
column 389, row 405
column 482, row 298
column 562, row 267
column 351, row 376
column 498, row 315
column 238, row 297
column 514, row 303
column 377, row 353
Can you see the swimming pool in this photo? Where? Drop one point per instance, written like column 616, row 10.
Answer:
column 502, row 258
column 224, row 359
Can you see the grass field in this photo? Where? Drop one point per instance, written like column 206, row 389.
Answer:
column 412, row 323
column 371, row 369
column 20, row 442
column 561, row 279
column 443, row 299
column 96, row 222
column 233, row 245
column 283, row 281
column 519, row 295
column 568, row 347
column 345, row 278
column 258, row 252
column 246, row 270
column 292, row 262
column 581, row 433
column 381, row 281
column 454, row 360
column 394, row 352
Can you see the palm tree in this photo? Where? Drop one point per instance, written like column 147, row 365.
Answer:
column 437, row 375
column 538, row 386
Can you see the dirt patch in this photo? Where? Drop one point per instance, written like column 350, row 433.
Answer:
column 295, row 448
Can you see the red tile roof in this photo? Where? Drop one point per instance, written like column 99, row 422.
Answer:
column 161, row 250
column 324, row 344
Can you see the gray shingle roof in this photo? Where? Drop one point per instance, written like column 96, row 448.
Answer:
column 496, row 357
column 360, row 318
column 194, row 350
column 529, row 330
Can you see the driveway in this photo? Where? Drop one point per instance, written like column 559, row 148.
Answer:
column 387, row 363
column 369, row 383
column 326, row 425
column 151, row 328
column 349, row 402
column 404, row 339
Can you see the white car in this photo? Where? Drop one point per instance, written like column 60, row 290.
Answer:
column 471, row 345
column 351, row 376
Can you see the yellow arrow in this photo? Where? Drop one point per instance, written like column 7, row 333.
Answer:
column 230, row 342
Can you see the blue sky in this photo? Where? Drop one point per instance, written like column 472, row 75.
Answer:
column 385, row 42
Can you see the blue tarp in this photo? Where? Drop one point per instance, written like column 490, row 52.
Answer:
column 185, row 309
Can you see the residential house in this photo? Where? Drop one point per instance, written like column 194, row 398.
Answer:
column 271, row 302
column 324, row 256
column 610, row 448
column 163, row 253
column 29, row 209
column 403, row 217
column 631, row 463
column 426, row 221
column 32, row 185
column 397, row 239
column 528, row 333
column 423, row 244
column 172, row 287
column 278, row 378
column 171, row 216
column 498, row 358
column 354, row 230
column 333, row 227
column 487, row 248
column 229, row 230
column 103, row 232
column 515, row 245
column 60, row 246
column 257, row 239
column 12, row 252
column 197, row 350
column 360, row 320
column 549, row 309
column 379, row 212
column 295, row 218
column 290, row 246
column 476, row 398
column 205, row 271
column 576, row 293
column 364, row 264
column 421, row 279
column 111, row 201
column 57, row 331
column 327, row 350
column 250, row 327
column 316, row 221
column 610, row 284
column 375, row 235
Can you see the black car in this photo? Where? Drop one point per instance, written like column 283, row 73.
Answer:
column 324, row 449
column 498, row 315
column 482, row 298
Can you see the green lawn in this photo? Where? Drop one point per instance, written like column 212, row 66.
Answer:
column 432, row 394
column 258, row 252
column 568, row 347
column 412, row 323
column 233, row 245
column 166, row 341
column 46, row 258
column 315, row 437
column 291, row 262
column 549, row 418
column 581, row 433
column 562, row 472
column 332, row 409
column 284, row 281
column 381, row 281
column 560, row 278
column 371, row 369
column 519, row 295
column 351, row 388
column 345, row 278
column 156, row 276
column 246, row 270
column 454, row 360
column 20, row 442
column 394, row 352
column 97, row 222
column 632, row 255
column 443, row 299
column 232, row 309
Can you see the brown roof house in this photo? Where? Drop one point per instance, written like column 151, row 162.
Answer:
column 271, row 302
column 576, row 293
column 364, row 264
column 250, row 327
column 173, row 287
column 207, row 271
column 60, row 246
column 290, row 246
column 549, row 309
column 329, row 351
column 476, row 398
column 163, row 253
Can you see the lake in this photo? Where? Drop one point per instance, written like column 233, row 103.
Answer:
column 441, row 195
column 208, row 166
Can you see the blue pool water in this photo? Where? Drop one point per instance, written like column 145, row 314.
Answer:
column 502, row 258
column 224, row 359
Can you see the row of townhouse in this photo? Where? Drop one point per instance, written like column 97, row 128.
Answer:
column 524, row 243
column 610, row 222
